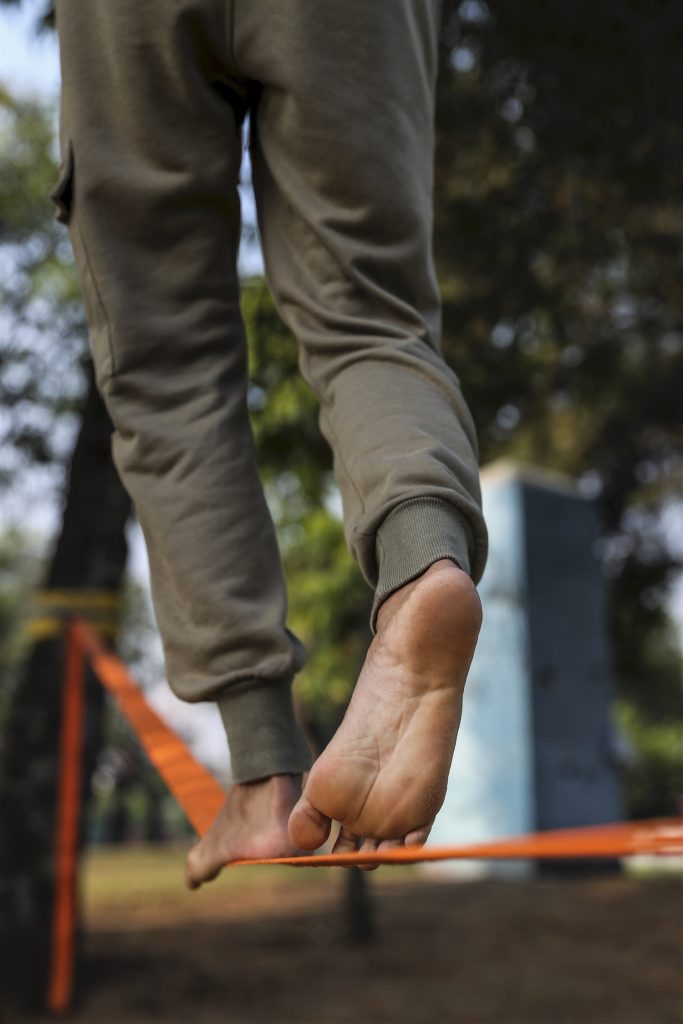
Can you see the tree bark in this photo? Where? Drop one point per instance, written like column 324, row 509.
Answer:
column 360, row 924
column 90, row 554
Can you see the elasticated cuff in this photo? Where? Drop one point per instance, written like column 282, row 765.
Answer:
column 414, row 535
column 263, row 733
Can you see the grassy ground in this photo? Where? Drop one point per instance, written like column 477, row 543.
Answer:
column 269, row 945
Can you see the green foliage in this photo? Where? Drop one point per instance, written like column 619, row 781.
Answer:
column 42, row 331
column 559, row 242
column 329, row 600
column 654, row 781
column 330, row 610
column 559, row 223
column 294, row 459
column 558, row 238
column 650, row 712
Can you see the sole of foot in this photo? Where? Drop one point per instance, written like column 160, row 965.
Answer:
column 251, row 824
column 385, row 772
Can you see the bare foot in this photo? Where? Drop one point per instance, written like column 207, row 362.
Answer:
column 252, row 823
column 384, row 774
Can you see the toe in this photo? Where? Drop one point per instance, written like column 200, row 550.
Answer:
column 191, row 873
column 347, row 841
column 308, row 827
column 390, row 844
column 418, row 837
column 369, row 846
column 201, row 866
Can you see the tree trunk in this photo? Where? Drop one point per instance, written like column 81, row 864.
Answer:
column 360, row 925
column 90, row 554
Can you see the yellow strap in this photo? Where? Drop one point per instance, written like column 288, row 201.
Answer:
column 77, row 599
column 44, row 628
column 51, row 607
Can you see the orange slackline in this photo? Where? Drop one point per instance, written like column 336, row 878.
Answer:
column 199, row 794
column 661, row 836
column 60, row 982
column 201, row 797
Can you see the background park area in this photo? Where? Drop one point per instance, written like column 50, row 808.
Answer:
column 558, row 236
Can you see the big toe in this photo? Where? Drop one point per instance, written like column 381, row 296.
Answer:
column 203, row 863
column 308, row 827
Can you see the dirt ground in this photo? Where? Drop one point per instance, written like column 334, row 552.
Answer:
column 271, row 946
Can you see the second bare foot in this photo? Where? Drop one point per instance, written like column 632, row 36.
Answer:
column 252, row 823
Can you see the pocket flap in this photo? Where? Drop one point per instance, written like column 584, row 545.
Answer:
column 61, row 193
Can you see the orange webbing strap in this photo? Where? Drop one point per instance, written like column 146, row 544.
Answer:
column 662, row 836
column 60, row 982
column 195, row 788
column 200, row 795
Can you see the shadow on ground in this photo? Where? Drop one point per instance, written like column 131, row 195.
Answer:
column 592, row 950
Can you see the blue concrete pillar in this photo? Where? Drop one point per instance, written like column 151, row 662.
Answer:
column 535, row 749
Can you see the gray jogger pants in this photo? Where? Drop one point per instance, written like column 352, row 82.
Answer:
column 341, row 99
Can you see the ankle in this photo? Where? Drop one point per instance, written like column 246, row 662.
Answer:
column 283, row 792
column 276, row 785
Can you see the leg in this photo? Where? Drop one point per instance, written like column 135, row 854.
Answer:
column 150, row 133
column 342, row 153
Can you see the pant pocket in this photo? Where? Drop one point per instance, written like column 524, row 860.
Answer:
column 61, row 192
column 63, row 196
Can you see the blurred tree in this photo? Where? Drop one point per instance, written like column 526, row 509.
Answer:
column 558, row 231
column 43, row 10
column 559, row 240
column 22, row 568
column 45, row 382
column 19, row 575
column 329, row 602
column 42, row 333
